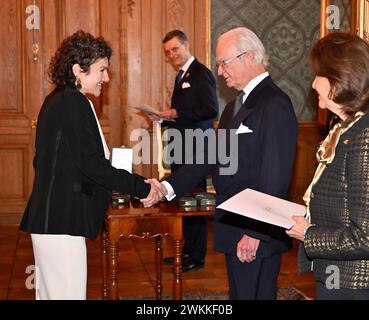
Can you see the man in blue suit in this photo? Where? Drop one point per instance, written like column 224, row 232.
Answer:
column 263, row 123
column 194, row 106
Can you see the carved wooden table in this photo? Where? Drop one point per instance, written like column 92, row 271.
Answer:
column 134, row 221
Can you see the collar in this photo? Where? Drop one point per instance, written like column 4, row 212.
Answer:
column 187, row 65
column 254, row 82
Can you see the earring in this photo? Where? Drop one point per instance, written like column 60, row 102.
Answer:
column 77, row 83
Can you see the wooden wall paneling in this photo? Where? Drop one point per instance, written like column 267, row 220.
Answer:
column 10, row 102
column 202, row 31
column 143, row 72
column 309, row 136
column 156, row 82
column 81, row 14
column 174, row 14
column 14, row 154
column 134, row 68
column 123, row 58
column 53, row 34
column 147, row 54
column 110, row 116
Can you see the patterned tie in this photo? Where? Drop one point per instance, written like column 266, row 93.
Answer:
column 179, row 77
column 238, row 102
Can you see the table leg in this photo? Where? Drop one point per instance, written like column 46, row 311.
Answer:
column 177, row 269
column 113, row 270
column 158, row 266
column 104, row 264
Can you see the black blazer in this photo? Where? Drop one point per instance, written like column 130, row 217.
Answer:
column 339, row 209
column 73, row 180
column 196, row 105
column 265, row 162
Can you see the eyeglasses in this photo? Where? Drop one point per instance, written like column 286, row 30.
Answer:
column 173, row 50
column 224, row 63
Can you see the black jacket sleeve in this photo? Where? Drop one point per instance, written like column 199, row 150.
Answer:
column 80, row 128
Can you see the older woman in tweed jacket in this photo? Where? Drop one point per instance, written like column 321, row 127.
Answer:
column 335, row 234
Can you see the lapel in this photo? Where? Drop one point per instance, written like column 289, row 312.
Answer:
column 248, row 107
column 186, row 77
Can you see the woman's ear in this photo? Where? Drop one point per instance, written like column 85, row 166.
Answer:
column 76, row 70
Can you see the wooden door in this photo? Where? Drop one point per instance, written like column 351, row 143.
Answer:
column 19, row 104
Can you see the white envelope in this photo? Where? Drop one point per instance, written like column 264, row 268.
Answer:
column 243, row 129
column 264, row 207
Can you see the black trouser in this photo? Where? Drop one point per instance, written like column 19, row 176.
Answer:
column 195, row 229
column 323, row 293
column 257, row 280
column 195, row 234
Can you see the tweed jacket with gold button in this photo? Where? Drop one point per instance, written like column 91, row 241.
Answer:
column 340, row 211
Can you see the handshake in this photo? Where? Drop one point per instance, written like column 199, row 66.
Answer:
column 157, row 192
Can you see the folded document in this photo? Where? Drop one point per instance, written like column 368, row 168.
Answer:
column 263, row 207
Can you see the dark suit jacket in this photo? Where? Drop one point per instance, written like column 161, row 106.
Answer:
column 73, row 180
column 265, row 162
column 197, row 105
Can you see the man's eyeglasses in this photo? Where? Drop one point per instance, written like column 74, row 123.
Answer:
column 173, row 50
column 224, row 63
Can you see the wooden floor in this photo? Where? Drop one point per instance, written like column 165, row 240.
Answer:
column 137, row 269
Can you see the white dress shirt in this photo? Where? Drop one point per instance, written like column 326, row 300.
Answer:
column 106, row 149
column 252, row 84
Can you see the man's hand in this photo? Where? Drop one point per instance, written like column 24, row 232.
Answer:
column 153, row 117
column 157, row 192
column 169, row 114
column 246, row 249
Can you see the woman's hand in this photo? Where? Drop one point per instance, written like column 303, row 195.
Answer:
column 297, row 231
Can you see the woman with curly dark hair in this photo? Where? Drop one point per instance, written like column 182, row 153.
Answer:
column 335, row 233
column 73, row 175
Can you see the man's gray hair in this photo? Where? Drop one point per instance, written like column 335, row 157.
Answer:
column 247, row 40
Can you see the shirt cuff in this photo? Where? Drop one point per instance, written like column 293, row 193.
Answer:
column 307, row 228
column 171, row 194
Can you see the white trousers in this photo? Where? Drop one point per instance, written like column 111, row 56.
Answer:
column 61, row 267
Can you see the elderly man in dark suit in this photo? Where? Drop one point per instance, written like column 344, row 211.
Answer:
column 263, row 122
column 194, row 106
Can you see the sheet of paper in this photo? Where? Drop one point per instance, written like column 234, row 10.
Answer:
column 150, row 110
column 147, row 109
column 264, row 207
